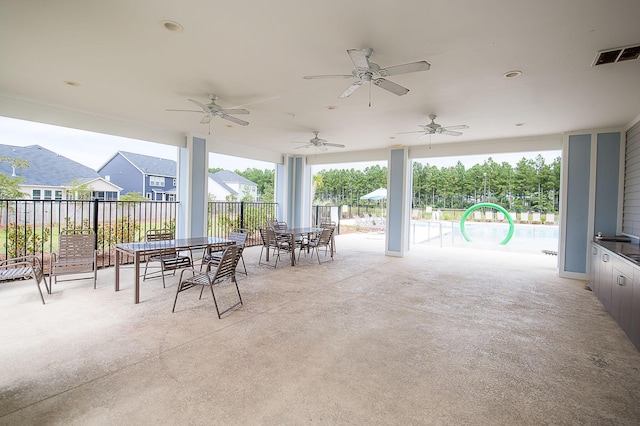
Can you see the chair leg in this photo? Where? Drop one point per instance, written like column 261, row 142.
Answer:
column 215, row 302
column 176, row 299
column 244, row 266
column 39, row 289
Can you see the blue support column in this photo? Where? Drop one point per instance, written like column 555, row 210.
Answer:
column 192, row 188
column 398, row 203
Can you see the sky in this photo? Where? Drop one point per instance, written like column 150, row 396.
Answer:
column 95, row 149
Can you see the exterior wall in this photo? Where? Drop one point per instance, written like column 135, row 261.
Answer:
column 124, row 174
column 218, row 191
column 158, row 193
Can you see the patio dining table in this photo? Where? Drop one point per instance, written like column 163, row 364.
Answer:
column 140, row 249
column 291, row 234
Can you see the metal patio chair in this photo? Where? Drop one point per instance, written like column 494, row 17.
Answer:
column 225, row 270
column 212, row 259
column 170, row 259
column 76, row 255
column 24, row 267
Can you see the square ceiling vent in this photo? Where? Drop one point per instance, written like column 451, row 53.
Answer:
column 619, row 54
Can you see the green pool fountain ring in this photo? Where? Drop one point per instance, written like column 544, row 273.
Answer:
column 493, row 206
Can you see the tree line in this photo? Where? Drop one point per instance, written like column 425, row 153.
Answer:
column 530, row 185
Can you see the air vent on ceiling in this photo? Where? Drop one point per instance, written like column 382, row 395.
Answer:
column 617, row 55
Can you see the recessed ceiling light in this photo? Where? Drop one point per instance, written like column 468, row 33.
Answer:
column 392, row 137
column 332, row 107
column 512, row 74
column 520, row 124
column 172, row 26
column 229, row 125
column 72, row 83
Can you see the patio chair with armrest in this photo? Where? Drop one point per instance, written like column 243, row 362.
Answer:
column 213, row 258
column 271, row 242
column 170, row 259
column 76, row 255
column 225, row 270
column 322, row 240
column 24, row 267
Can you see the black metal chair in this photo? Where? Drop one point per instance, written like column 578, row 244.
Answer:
column 225, row 270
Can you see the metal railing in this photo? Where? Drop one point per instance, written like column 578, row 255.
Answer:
column 224, row 217
column 33, row 226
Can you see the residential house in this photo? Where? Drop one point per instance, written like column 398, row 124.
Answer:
column 152, row 177
column 50, row 176
column 226, row 185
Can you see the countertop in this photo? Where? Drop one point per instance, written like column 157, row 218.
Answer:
column 626, row 250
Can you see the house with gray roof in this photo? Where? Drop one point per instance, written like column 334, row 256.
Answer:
column 152, row 177
column 226, row 185
column 50, row 176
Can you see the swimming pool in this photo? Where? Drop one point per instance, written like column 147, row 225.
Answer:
column 526, row 238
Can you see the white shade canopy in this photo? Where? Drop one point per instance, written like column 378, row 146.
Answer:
column 378, row 194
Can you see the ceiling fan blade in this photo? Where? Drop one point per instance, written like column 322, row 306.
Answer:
column 185, row 110
column 392, row 87
column 234, row 111
column 450, row 133
column 200, row 104
column 337, row 145
column 351, row 89
column 405, row 68
column 206, row 119
column 303, row 146
column 462, row 126
column 311, row 77
column 416, row 131
column 358, row 58
column 234, row 119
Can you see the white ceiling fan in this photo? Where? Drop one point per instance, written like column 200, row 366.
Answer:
column 321, row 144
column 213, row 110
column 369, row 72
column 435, row 128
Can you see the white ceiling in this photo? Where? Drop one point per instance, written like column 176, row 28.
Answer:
column 253, row 54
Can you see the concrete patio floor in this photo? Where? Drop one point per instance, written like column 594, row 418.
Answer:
column 442, row 336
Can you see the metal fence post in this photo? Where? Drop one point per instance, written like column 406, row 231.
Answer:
column 241, row 214
column 95, row 222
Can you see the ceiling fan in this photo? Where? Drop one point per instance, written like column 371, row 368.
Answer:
column 435, row 128
column 369, row 72
column 321, row 144
column 212, row 110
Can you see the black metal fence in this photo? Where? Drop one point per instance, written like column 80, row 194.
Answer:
column 33, row 226
column 224, row 217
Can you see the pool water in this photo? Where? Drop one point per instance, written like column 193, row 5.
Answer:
column 526, row 238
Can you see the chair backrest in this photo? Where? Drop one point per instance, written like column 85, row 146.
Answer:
column 78, row 244
column 159, row 234
column 325, row 236
column 239, row 238
column 228, row 262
